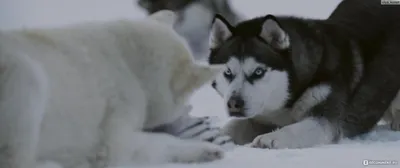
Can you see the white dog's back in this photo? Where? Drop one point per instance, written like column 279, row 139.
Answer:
column 74, row 94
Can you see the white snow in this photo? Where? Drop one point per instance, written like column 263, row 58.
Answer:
column 379, row 145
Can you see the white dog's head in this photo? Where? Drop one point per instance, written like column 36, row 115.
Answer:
column 177, row 67
column 188, row 74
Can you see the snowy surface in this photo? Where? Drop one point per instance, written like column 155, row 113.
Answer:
column 380, row 145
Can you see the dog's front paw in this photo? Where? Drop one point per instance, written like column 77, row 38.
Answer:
column 395, row 120
column 264, row 142
column 197, row 152
column 395, row 125
column 210, row 153
column 274, row 140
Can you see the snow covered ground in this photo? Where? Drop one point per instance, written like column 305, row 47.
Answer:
column 380, row 145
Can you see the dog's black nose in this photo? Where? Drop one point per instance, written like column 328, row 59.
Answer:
column 235, row 106
column 214, row 84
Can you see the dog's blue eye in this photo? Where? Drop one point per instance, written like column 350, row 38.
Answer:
column 228, row 73
column 259, row 72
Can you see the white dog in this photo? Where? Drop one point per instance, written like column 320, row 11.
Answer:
column 81, row 96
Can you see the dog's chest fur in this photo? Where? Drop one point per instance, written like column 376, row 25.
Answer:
column 311, row 97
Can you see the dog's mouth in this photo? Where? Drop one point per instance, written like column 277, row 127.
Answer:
column 237, row 114
column 240, row 113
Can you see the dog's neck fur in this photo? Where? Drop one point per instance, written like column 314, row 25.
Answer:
column 322, row 61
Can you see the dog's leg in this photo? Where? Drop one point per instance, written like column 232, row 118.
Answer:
column 388, row 117
column 377, row 90
column 128, row 147
column 392, row 114
column 243, row 131
column 344, row 116
column 317, row 129
column 395, row 125
column 195, row 128
column 126, row 143
column 22, row 104
column 125, row 115
column 164, row 148
column 306, row 133
column 204, row 129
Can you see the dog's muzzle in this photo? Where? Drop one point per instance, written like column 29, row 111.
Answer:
column 235, row 106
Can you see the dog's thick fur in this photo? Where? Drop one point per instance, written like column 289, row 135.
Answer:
column 357, row 16
column 194, row 21
column 195, row 17
column 316, row 80
column 81, row 96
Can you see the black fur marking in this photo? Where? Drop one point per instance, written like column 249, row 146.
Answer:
column 254, row 76
column 228, row 74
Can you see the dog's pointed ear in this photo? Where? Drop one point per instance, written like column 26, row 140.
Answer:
column 219, row 32
column 272, row 32
column 167, row 17
column 195, row 76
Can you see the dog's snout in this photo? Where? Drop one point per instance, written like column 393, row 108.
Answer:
column 235, row 103
column 235, row 106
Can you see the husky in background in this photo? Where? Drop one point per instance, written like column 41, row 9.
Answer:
column 195, row 17
column 295, row 83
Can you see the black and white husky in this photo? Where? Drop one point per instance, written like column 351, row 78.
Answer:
column 294, row 83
